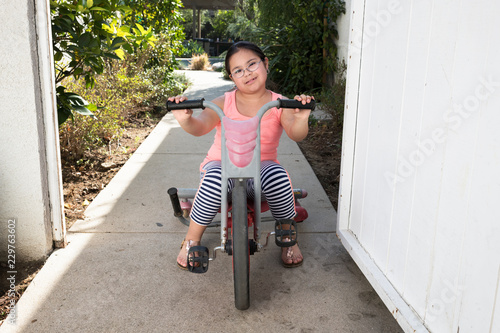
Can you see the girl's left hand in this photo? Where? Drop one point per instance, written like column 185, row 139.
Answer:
column 296, row 121
column 304, row 99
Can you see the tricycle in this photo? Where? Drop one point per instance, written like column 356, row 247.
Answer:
column 240, row 161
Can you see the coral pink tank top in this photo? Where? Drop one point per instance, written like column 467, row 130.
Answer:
column 270, row 130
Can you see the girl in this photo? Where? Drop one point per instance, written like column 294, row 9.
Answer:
column 248, row 68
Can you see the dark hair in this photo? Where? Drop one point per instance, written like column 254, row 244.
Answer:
column 242, row 45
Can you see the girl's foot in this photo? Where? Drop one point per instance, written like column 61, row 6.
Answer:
column 291, row 256
column 183, row 254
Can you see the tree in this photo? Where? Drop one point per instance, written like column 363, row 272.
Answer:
column 301, row 41
column 161, row 16
column 220, row 23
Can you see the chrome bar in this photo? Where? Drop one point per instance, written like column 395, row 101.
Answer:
column 221, row 248
column 235, row 172
column 267, row 239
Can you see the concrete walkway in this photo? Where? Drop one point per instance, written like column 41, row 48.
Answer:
column 119, row 272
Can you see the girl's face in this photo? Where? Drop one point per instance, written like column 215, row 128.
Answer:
column 250, row 81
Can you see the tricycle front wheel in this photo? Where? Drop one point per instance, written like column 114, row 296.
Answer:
column 241, row 260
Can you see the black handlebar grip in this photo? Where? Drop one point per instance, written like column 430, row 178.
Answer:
column 174, row 198
column 294, row 104
column 189, row 104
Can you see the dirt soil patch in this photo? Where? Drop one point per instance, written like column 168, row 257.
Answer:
column 84, row 179
column 323, row 149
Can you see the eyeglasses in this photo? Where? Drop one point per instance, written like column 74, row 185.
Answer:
column 251, row 68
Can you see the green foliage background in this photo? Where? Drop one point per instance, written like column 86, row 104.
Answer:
column 298, row 32
column 87, row 34
column 100, row 45
column 294, row 34
column 112, row 57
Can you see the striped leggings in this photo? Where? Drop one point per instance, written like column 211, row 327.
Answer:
column 275, row 182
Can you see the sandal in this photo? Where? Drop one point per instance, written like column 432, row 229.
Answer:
column 188, row 244
column 291, row 256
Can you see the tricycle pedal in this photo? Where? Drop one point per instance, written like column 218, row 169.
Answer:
column 198, row 259
column 285, row 232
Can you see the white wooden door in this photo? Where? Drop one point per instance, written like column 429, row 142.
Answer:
column 420, row 181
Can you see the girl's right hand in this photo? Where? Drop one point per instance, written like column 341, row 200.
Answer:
column 181, row 115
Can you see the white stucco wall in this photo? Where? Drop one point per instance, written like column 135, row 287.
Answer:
column 343, row 27
column 24, row 181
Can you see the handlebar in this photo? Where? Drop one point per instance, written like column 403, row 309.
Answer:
column 174, row 199
column 189, row 104
column 201, row 104
column 294, row 104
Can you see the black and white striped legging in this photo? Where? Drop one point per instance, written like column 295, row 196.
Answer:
column 275, row 182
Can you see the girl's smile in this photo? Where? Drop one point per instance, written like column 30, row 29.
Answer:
column 251, row 81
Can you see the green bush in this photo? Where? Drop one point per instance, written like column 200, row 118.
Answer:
column 115, row 94
column 223, row 68
column 162, row 84
column 294, row 35
column 190, row 48
column 118, row 96
column 143, row 79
